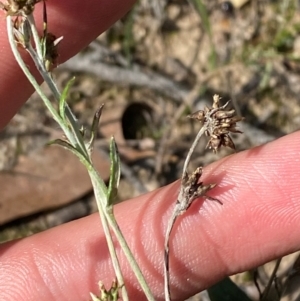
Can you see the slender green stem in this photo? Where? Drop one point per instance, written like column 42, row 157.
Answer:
column 117, row 231
column 36, row 37
column 100, row 185
column 33, row 81
column 108, row 236
column 77, row 137
column 28, row 74
column 101, row 195
column 132, row 261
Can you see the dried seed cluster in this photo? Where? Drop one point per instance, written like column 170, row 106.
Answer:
column 18, row 7
column 194, row 189
column 22, row 31
column 219, row 123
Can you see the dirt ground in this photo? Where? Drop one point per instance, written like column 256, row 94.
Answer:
column 162, row 61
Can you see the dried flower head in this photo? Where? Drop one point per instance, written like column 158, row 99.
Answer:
column 18, row 7
column 193, row 189
column 219, row 123
column 22, row 32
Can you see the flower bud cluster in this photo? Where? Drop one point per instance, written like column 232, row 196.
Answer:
column 218, row 122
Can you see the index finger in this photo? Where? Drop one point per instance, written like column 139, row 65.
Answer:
column 258, row 222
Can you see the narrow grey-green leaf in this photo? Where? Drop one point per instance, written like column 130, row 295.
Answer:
column 226, row 290
column 72, row 149
column 94, row 127
column 60, row 142
column 63, row 98
column 115, row 172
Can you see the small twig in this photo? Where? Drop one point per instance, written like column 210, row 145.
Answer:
column 137, row 76
column 255, row 280
column 271, row 279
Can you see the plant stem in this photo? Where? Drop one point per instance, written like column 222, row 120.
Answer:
column 192, row 149
column 75, row 137
column 28, row 74
column 121, row 240
column 176, row 212
column 33, row 81
column 132, row 262
column 166, row 256
column 270, row 282
column 35, row 36
column 113, row 254
column 100, row 187
column 52, row 86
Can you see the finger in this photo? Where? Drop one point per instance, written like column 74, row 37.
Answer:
column 79, row 22
column 259, row 221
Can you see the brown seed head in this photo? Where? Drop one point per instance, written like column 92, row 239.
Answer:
column 19, row 7
column 219, row 122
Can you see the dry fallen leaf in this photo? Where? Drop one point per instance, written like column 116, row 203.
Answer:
column 47, row 179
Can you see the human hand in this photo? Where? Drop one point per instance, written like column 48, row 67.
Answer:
column 260, row 190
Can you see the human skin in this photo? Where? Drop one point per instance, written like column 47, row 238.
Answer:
column 258, row 221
